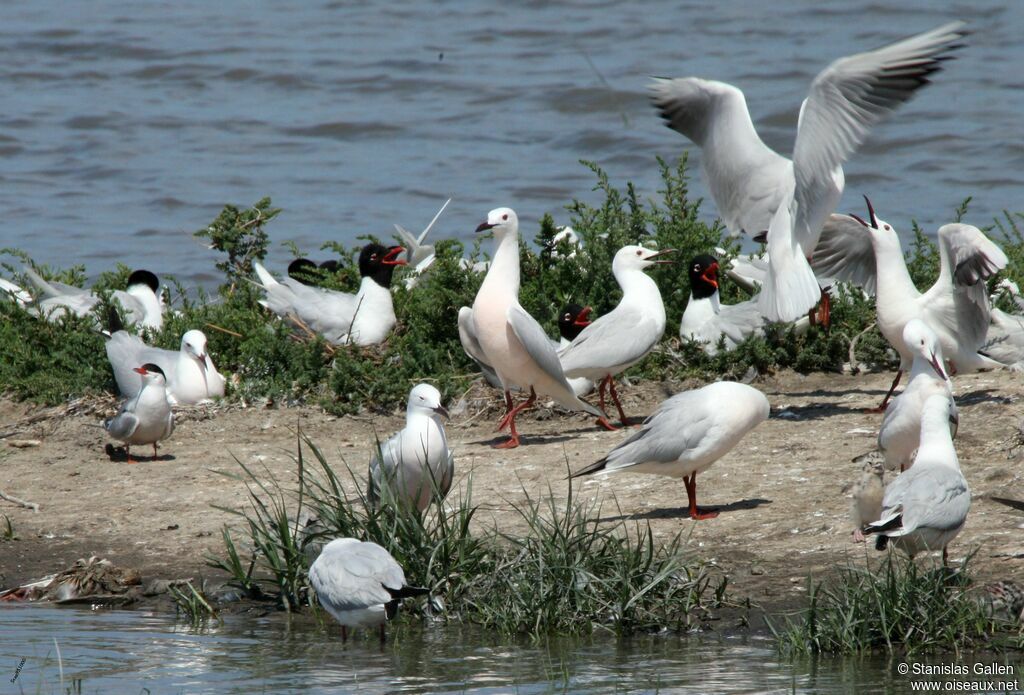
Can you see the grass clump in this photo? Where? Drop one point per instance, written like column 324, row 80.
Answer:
column 567, row 572
column 892, row 606
column 193, row 603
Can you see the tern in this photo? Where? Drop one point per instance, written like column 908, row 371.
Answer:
column 956, row 307
column 359, row 583
column 926, row 507
column 364, row 318
column 191, row 376
column 509, row 339
column 900, row 431
column 758, row 190
column 688, row 433
column 416, row 463
column 139, row 299
column 147, row 417
column 622, row 337
column 419, row 254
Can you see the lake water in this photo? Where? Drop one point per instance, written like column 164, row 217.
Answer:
column 126, row 652
column 126, row 127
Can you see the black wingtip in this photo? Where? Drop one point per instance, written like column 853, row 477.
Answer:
column 1013, row 504
column 592, row 468
column 881, row 543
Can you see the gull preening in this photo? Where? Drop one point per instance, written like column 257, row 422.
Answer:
column 956, row 307
column 359, row 583
column 511, row 341
column 622, row 337
column 926, row 507
column 190, row 373
column 707, row 321
column 364, row 318
column 688, row 433
column 146, row 418
column 139, row 298
column 900, row 431
column 756, row 190
column 416, row 463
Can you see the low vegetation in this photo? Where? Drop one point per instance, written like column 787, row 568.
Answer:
column 565, row 573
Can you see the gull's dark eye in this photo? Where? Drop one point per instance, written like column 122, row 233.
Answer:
column 888, row 228
column 504, row 217
column 639, row 252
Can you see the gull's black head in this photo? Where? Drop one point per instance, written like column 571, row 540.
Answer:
column 150, row 368
column 573, row 320
column 378, row 262
column 703, row 276
column 332, row 266
column 144, row 277
column 303, row 270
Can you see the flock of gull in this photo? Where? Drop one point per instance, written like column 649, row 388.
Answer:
column 946, row 330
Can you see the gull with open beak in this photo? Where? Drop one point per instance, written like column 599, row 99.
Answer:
column 508, row 338
column 147, row 417
column 364, row 318
column 956, row 308
column 623, row 336
column 415, row 463
column 900, row 432
column 190, row 373
column 571, row 322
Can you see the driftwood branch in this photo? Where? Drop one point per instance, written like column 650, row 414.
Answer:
column 27, row 505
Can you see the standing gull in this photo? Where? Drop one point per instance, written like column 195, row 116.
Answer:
column 510, row 340
column 364, row 318
column 359, row 583
column 416, row 462
column 926, row 507
column 147, row 418
column 956, row 307
column 191, row 376
column 688, row 433
column 756, row 189
column 621, row 338
column 900, row 432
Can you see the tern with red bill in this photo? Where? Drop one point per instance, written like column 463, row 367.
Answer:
column 708, row 321
column 147, row 417
column 900, row 432
column 364, row 318
column 508, row 338
column 688, row 433
column 622, row 337
column 956, row 308
column 416, row 463
column 758, row 190
column 189, row 372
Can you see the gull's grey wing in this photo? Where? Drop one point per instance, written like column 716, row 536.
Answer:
column 676, row 428
column 126, row 352
column 939, row 498
column 1004, row 341
column 740, row 321
column 620, row 337
column 844, row 252
column 352, row 577
column 847, row 98
column 967, row 258
column 536, row 342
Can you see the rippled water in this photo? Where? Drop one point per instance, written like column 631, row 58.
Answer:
column 126, row 127
column 128, row 651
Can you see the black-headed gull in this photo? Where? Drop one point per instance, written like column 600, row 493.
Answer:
column 147, row 417
column 364, row 318
column 622, row 337
column 416, row 463
column 867, row 494
column 688, row 433
column 956, row 307
column 571, row 322
column 509, row 339
column 900, row 431
column 359, row 583
column 190, row 373
column 139, row 298
column 926, row 507
column 707, row 320
column 757, row 190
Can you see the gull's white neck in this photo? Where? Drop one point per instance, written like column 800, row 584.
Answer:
column 503, row 275
column 936, row 448
column 638, row 288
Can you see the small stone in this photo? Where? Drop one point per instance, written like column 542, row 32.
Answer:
column 23, row 443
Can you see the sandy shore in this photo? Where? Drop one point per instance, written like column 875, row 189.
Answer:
column 783, row 492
